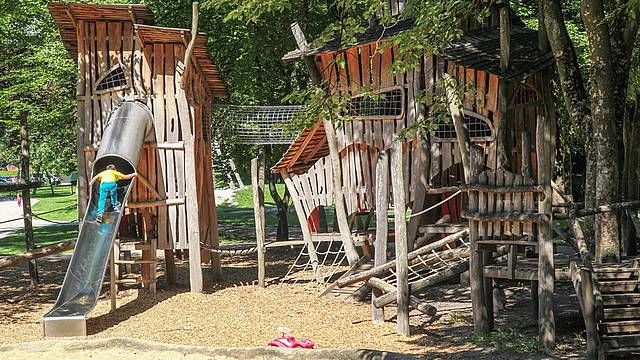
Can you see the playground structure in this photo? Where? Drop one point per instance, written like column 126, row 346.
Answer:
column 498, row 150
column 129, row 72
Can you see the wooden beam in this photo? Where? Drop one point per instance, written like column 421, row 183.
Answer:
column 15, row 260
column 382, row 226
column 505, row 36
column 546, row 318
column 309, row 61
column 257, row 185
column 192, row 43
column 341, row 211
column 600, row 209
column 402, row 262
column 146, row 204
column 414, row 302
column 306, row 234
column 149, row 186
column 379, row 270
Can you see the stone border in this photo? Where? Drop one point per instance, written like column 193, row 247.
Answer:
column 239, row 353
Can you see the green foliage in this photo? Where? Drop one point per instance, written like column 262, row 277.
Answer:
column 506, row 340
column 37, row 77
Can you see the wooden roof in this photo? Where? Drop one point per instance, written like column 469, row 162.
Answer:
column 480, row 50
column 308, row 148
column 156, row 34
column 65, row 16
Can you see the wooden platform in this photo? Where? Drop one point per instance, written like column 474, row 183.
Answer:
column 527, row 269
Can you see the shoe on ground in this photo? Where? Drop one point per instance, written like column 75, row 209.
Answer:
column 99, row 218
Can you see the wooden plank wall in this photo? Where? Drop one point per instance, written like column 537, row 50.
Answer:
column 367, row 69
column 154, row 68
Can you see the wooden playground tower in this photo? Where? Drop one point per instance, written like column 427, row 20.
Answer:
column 502, row 159
column 122, row 56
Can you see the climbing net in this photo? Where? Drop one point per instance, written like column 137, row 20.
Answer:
column 427, row 266
column 331, row 256
column 256, row 125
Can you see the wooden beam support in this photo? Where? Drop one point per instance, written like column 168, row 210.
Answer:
column 546, row 318
column 414, row 302
column 257, row 185
column 402, row 262
column 382, row 226
column 306, row 233
column 15, row 260
column 192, row 43
column 147, row 204
column 338, row 193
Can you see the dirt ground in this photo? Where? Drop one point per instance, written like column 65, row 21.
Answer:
column 237, row 313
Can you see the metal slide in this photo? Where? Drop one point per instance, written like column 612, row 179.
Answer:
column 130, row 125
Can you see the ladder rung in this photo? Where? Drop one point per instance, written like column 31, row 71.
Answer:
column 130, row 262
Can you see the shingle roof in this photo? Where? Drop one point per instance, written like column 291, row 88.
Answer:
column 480, row 50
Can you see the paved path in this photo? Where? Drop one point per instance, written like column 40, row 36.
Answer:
column 9, row 209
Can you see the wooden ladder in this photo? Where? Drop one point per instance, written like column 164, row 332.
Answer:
column 609, row 297
column 120, row 256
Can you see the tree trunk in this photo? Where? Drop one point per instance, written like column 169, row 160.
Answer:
column 604, row 125
column 282, row 204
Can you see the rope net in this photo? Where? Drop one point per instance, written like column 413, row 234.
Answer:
column 331, row 258
column 256, row 125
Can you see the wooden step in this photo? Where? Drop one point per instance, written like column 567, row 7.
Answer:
column 623, row 350
column 622, row 313
column 620, row 286
column 621, row 299
column 621, row 341
column 625, row 326
column 442, row 228
column 615, row 274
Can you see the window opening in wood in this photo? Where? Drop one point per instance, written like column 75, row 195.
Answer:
column 114, row 79
column 479, row 128
column 384, row 104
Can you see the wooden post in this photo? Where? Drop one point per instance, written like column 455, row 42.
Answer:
column 505, row 36
column 589, row 314
column 341, row 211
column 382, row 226
column 420, row 182
column 301, row 41
column 257, row 185
column 546, row 319
column 170, row 267
column 402, row 262
column 189, row 52
column 113, row 286
column 26, row 196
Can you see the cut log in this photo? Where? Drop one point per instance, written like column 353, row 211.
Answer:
column 37, row 253
column 414, row 302
column 391, row 264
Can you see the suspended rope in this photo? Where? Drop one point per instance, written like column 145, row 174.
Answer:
column 436, row 205
column 43, row 213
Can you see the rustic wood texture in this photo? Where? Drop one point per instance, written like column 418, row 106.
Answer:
column 382, row 226
column 257, row 185
column 402, row 263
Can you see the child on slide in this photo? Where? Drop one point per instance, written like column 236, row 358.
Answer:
column 109, row 187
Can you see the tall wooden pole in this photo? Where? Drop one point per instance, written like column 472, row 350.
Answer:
column 382, row 226
column 545, row 148
column 26, row 196
column 257, row 184
column 402, row 259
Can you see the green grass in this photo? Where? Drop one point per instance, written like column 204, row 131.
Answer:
column 506, row 340
column 8, row 173
column 42, row 236
column 62, row 197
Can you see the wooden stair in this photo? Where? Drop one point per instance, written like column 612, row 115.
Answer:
column 618, row 309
